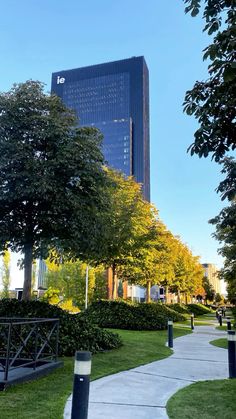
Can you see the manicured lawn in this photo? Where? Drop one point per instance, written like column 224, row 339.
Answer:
column 204, row 320
column 198, row 322
column 222, row 328
column 46, row 397
column 205, row 400
column 221, row 343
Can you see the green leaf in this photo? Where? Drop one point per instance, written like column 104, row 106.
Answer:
column 229, row 74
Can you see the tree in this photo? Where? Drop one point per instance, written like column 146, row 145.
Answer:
column 225, row 224
column 162, row 259
column 153, row 262
column 225, row 233
column 127, row 223
column 69, row 278
column 219, row 298
column 188, row 272
column 6, row 261
column 213, row 102
column 227, row 187
column 209, row 291
column 51, row 177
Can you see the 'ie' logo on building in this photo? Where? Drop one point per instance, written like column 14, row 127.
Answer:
column 60, row 80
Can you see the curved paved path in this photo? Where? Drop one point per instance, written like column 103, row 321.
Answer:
column 142, row 392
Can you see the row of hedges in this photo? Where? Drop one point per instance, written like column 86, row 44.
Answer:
column 77, row 331
column 180, row 308
column 122, row 315
column 198, row 309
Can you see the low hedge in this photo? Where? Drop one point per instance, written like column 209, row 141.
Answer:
column 180, row 308
column 77, row 331
column 198, row 309
column 122, row 315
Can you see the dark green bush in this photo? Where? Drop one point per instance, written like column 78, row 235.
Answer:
column 233, row 309
column 180, row 308
column 77, row 332
column 122, row 315
column 198, row 309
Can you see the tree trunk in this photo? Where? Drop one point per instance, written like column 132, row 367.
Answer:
column 114, row 274
column 178, row 297
column 167, row 294
column 148, row 292
column 28, row 259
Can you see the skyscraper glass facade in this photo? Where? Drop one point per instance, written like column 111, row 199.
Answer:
column 114, row 98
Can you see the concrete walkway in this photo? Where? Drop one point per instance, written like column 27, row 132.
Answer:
column 142, row 392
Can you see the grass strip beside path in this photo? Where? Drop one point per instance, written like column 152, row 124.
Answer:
column 45, row 398
column 221, row 343
column 205, row 400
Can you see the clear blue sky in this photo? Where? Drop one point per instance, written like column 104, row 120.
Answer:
column 40, row 37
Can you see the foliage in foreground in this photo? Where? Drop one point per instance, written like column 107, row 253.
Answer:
column 198, row 309
column 77, row 332
column 213, row 102
column 123, row 315
column 199, row 400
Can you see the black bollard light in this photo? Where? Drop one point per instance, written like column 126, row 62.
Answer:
column 228, row 321
column 220, row 319
column 232, row 353
column 170, row 333
column 192, row 321
column 80, row 397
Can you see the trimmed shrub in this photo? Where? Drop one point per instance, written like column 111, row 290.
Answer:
column 180, row 308
column 198, row 309
column 122, row 315
column 76, row 331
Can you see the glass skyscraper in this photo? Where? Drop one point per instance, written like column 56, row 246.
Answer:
column 113, row 97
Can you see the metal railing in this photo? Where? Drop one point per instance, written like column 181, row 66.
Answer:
column 27, row 342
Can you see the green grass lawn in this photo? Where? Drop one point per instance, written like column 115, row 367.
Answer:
column 45, row 398
column 222, row 328
column 221, row 343
column 204, row 320
column 205, row 400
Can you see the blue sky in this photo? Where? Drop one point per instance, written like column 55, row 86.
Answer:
column 40, row 37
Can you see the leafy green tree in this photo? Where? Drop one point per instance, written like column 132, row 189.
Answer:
column 51, row 177
column 225, row 233
column 227, row 187
column 163, row 260
column 153, row 262
column 5, row 271
column 225, row 224
column 213, row 102
column 188, row 271
column 127, row 224
column 209, row 290
column 69, row 279
column 219, row 298
column 100, row 287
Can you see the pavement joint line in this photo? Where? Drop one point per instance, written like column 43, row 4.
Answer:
column 165, row 376
column 198, row 359
column 129, row 404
